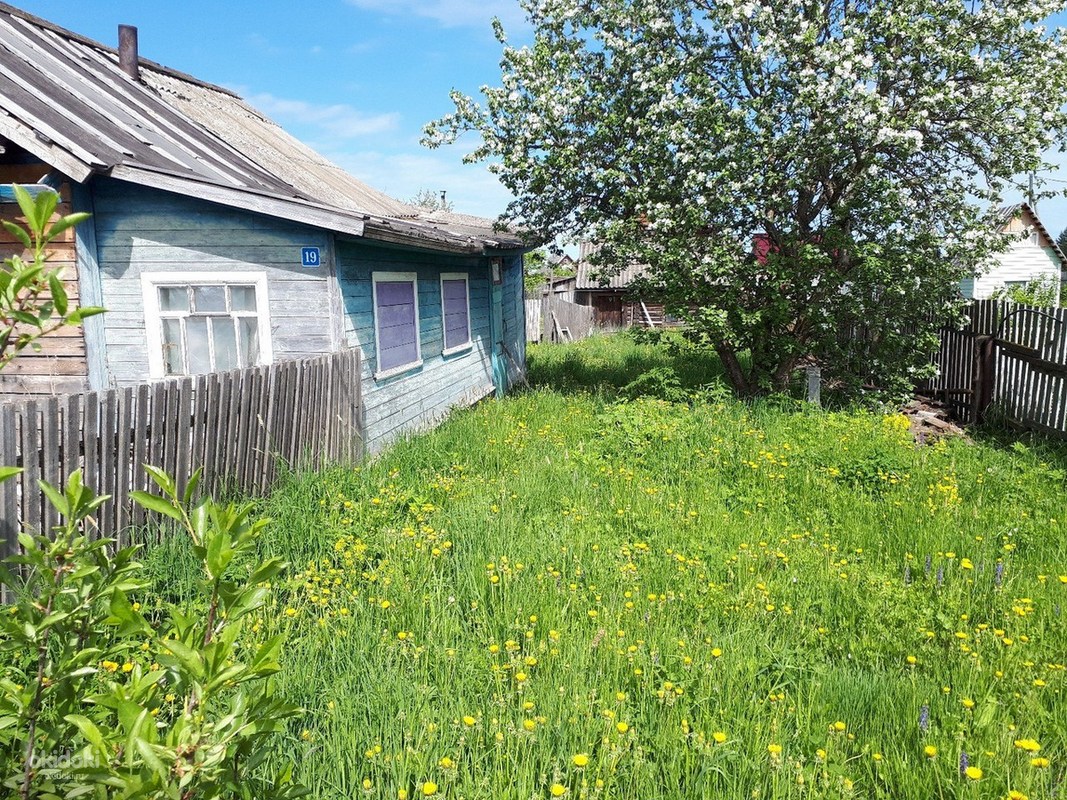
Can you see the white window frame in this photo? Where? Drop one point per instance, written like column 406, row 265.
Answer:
column 469, row 344
column 395, row 277
column 150, row 283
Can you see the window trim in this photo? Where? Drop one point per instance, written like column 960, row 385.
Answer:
column 153, row 325
column 469, row 344
column 395, row 277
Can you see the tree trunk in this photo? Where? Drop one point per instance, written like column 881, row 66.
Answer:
column 741, row 382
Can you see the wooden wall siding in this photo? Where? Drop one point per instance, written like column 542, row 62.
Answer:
column 1029, row 364
column 142, row 230
column 417, row 399
column 60, row 365
column 1022, row 262
column 239, row 426
column 514, row 320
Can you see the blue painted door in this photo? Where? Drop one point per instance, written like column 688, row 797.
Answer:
column 496, row 315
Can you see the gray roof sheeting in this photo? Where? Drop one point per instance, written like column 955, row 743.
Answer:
column 65, row 98
column 589, row 279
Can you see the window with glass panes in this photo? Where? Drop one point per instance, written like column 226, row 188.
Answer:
column 208, row 327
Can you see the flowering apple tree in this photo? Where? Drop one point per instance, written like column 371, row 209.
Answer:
column 807, row 180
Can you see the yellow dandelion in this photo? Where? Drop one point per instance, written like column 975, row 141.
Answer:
column 930, row 751
column 622, row 727
column 429, row 789
column 557, row 790
column 469, row 721
column 1029, row 745
column 973, row 773
column 1039, row 762
column 718, row 737
column 520, row 677
column 774, row 749
column 839, row 727
column 580, row 760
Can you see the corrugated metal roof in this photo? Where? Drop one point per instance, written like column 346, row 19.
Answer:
column 588, row 277
column 66, row 99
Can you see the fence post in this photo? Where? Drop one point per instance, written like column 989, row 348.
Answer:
column 985, row 367
column 814, row 384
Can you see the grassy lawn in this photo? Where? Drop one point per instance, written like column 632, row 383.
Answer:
column 561, row 594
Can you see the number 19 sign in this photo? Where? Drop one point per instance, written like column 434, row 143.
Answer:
column 310, row 257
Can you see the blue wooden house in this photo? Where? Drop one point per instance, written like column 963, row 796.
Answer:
column 218, row 242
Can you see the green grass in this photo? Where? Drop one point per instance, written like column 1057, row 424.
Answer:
column 485, row 602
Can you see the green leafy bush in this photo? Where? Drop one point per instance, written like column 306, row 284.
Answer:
column 33, row 301
column 99, row 700
column 1042, row 291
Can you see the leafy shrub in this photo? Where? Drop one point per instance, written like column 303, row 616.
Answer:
column 1042, row 291
column 97, row 700
column 33, row 301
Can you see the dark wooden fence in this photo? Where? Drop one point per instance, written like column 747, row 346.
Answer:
column 240, row 427
column 1011, row 359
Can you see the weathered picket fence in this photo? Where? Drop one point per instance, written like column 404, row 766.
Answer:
column 553, row 319
column 239, row 427
column 1010, row 357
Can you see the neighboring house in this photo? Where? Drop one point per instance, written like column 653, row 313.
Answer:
column 611, row 299
column 1034, row 254
column 218, row 241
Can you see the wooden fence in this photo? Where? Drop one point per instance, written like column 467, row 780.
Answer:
column 553, row 319
column 238, row 426
column 1010, row 357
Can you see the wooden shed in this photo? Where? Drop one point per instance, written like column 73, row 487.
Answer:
column 614, row 305
column 218, row 241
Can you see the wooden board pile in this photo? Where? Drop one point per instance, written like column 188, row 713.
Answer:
column 930, row 420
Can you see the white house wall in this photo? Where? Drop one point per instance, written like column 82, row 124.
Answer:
column 1023, row 262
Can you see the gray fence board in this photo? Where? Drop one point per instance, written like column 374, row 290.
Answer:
column 1029, row 365
column 234, row 425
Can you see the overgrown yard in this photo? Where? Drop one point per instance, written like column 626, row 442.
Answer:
column 565, row 595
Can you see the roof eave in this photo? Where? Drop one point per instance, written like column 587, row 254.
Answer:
column 432, row 238
column 283, row 208
column 44, row 148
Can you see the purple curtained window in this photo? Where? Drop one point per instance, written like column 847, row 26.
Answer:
column 456, row 312
column 398, row 332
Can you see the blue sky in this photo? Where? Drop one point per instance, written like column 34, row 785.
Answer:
column 355, row 79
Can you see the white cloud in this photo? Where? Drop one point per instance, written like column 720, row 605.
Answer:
column 330, row 122
column 470, row 187
column 452, row 13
